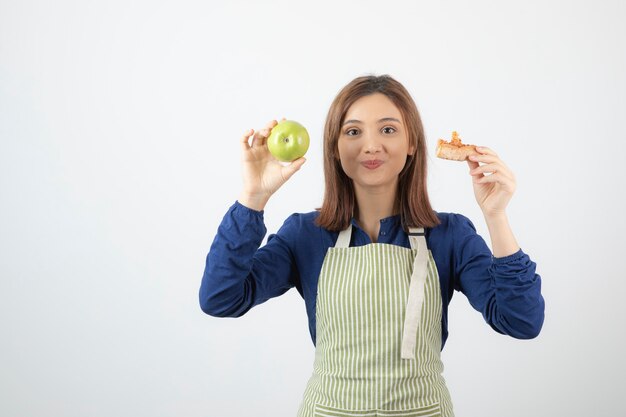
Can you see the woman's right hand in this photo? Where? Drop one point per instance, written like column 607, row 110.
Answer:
column 262, row 173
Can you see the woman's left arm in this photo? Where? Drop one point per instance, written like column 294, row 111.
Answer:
column 509, row 294
column 494, row 185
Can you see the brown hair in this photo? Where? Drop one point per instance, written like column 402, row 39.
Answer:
column 412, row 198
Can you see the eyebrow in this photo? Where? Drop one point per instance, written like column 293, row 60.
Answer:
column 384, row 119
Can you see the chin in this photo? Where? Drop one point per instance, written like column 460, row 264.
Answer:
column 382, row 183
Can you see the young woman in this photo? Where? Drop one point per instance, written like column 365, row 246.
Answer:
column 375, row 265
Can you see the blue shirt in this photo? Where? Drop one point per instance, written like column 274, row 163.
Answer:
column 240, row 274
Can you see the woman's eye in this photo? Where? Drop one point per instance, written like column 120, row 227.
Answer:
column 354, row 132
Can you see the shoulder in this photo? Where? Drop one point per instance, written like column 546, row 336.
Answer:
column 452, row 224
column 301, row 221
column 456, row 236
column 454, row 232
column 302, row 235
column 299, row 226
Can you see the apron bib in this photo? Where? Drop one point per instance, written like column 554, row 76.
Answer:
column 378, row 326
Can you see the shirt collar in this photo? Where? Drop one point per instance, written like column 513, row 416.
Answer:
column 384, row 222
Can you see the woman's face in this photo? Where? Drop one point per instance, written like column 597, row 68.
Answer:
column 373, row 143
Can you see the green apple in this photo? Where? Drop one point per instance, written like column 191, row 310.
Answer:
column 288, row 141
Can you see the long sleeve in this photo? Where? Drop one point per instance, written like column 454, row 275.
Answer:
column 507, row 291
column 238, row 274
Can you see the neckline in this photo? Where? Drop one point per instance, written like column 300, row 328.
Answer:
column 392, row 218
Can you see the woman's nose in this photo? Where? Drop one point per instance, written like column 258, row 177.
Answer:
column 372, row 144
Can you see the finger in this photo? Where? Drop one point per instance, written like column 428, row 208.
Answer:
column 270, row 125
column 472, row 165
column 491, row 169
column 266, row 132
column 294, row 166
column 500, row 167
column 507, row 183
column 244, row 139
column 260, row 136
column 484, row 169
column 491, row 159
column 485, row 150
column 483, row 158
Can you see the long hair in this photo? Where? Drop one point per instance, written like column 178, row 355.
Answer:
column 339, row 202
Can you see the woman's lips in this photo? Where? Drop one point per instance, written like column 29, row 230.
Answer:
column 372, row 164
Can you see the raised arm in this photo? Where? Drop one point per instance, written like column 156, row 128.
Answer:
column 504, row 286
column 238, row 273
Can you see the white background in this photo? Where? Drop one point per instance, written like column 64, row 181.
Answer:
column 119, row 155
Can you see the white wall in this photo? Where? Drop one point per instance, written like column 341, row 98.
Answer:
column 119, row 129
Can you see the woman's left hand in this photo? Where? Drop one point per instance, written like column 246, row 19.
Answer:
column 494, row 190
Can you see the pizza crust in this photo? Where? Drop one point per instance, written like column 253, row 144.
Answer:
column 454, row 150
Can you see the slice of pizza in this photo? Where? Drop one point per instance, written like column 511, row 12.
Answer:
column 454, row 150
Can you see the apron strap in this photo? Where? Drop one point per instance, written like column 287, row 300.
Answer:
column 343, row 241
column 415, row 300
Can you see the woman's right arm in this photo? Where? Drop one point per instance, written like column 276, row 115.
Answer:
column 238, row 275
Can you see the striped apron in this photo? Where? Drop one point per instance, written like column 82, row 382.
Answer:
column 378, row 326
